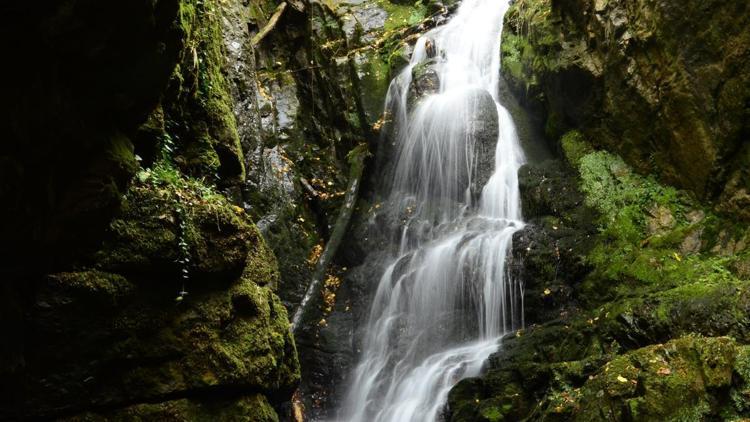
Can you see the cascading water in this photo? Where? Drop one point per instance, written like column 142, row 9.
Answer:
column 445, row 297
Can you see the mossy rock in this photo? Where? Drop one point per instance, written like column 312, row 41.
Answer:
column 640, row 293
column 679, row 380
column 158, row 334
column 252, row 408
column 562, row 58
column 198, row 108
column 144, row 346
column 158, row 213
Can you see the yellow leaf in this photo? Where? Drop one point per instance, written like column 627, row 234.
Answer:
column 621, row 378
column 677, row 257
column 664, row 371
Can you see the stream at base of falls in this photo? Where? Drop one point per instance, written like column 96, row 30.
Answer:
column 445, row 297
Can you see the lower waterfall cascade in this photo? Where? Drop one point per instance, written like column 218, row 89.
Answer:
column 445, row 296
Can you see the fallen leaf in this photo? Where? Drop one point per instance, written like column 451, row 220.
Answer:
column 621, row 378
column 664, row 371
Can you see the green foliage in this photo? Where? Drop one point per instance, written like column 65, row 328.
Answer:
column 531, row 47
column 182, row 195
column 574, row 147
column 400, row 16
column 642, row 229
column 610, row 186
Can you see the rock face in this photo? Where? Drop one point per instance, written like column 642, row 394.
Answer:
column 663, row 84
column 623, row 319
column 84, row 78
column 134, row 285
column 549, row 253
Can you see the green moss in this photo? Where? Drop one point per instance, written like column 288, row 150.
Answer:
column 530, row 48
column 662, row 382
column 95, row 287
column 165, row 208
column 493, row 410
column 120, row 153
column 249, row 408
column 611, row 185
column 635, row 246
column 512, row 49
column 574, row 147
column 374, row 71
column 198, row 111
column 261, row 265
column 397, row 60
column 401, row 15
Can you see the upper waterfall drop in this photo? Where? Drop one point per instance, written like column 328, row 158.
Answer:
column 445, row 296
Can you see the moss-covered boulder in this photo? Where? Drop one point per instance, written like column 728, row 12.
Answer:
column 251, row 408
column 690, row 378
column 170, row 320
column 146, row 235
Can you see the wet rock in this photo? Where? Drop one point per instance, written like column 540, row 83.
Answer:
column 549, row 189
column 549, row 253
column 483, row 128
column 425, row 80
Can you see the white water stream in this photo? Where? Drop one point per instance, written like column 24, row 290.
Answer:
column 445, row 298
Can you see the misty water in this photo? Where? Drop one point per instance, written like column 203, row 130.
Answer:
column 445, row 297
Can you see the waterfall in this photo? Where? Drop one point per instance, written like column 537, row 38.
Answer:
column 445, row 297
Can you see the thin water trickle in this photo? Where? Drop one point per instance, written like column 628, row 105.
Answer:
column 445, row 298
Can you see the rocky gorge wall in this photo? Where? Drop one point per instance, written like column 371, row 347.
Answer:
column 134, row 286
column 662, row 83
column 636, row 291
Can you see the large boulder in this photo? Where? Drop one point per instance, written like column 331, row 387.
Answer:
column 470, row 116
column 157, row 333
